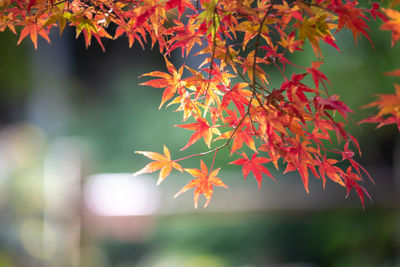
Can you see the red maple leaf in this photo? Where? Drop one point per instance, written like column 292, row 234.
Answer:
column 202, row 128
column 186, row 37
column 180, row 4
column 238, row 95
column 348, row 154
column 351, row 182
column 353, row 18
column 332, row 103
column 375, row 13
column 253, row 165
column 334, row 173
column 239, row 137
column 301, row 156
column 317, row 75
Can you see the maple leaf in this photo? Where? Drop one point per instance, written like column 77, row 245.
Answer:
column 133, row 33
column 239, row 137
column 388, row 104
column 207, row 17
column 33, row 28
column 203, row 184
column 203, row 129
column 171, row 81
column 353, row 18
column 7, row 22
column 334, row 173
column 251, row 29
column 289, row 41
column 314, row 29
column 186, row 37
column 301, row 157
column 259, row 72
column 351, row 182
column 375, row 13
column 238, row 95
column 393, row 24
column 317, row 75
column 145, row 15
column 188, row 106
column 273, row 56
column 393, row 73
column 332, row 103
column 348, row 154
column 295, row 90
column 255, row 166
column 180, row 4
column 161, row 162
column 331, row 41
column 61, row 17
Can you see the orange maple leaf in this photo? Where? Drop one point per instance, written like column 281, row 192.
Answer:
column 172, row 81
column 162, row 162
column 7, row 22
column 393, row 73
column 389, row 109
column 393, row 24
column 301, row 157
column 239, row 137
column 33, row 28
column 203, row 184
column 387, row 103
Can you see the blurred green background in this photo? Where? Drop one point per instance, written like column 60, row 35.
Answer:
column 67, row 113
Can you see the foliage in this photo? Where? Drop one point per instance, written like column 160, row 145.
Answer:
column 240, row 39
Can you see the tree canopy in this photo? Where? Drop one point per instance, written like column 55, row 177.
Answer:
column 227, row 100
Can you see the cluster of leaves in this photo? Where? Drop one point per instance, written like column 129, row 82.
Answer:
column 240, row 40
column 389, row 104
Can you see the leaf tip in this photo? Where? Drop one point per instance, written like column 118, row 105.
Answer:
column 136, row 173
